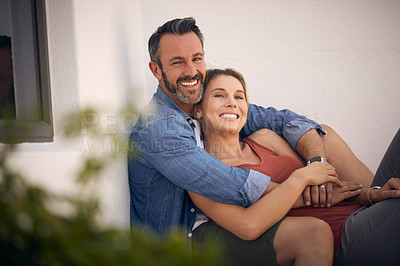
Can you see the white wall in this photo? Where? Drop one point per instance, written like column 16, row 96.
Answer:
column 337, row 62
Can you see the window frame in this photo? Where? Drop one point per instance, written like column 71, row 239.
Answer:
column 40, row 130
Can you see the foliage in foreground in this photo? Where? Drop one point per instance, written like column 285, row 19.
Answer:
column 31, row 232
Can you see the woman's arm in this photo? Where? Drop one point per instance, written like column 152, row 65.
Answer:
column 276, row 143
column 249, row 223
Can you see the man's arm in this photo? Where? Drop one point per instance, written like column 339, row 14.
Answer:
column 310, row 145
column 303, row 135
column 287, row 124
column 168, row 146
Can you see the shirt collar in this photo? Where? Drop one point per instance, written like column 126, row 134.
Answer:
column 163, row 97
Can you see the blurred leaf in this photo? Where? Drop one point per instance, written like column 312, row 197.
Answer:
column 32, row 233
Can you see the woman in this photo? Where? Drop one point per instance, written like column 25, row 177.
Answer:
column 222, row 113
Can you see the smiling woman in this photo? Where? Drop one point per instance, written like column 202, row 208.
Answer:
column 225, row 110
column 257, row 235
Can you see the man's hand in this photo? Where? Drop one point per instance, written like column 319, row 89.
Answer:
column 318, row 196
column 349, row 189
column 311, row 145
column 331, row 194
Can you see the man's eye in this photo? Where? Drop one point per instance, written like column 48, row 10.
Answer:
column 176, row 63
column 197, row 59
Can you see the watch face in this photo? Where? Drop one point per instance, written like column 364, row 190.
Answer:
column 316, row 159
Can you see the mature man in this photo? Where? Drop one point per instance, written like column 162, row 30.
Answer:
column 165, row 160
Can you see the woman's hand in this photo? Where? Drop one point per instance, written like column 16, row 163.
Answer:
column 317, row 174
column 391, row 189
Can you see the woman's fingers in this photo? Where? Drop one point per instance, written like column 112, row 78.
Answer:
column 332, row 174
column 336, row 180
column 319, row 173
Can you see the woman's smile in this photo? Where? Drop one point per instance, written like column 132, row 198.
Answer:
column 229, row 116
column 224, row 107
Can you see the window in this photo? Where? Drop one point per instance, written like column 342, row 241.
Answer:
column 26, row 116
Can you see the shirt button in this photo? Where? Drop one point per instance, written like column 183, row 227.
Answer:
column 192, row 210
column 190, row 235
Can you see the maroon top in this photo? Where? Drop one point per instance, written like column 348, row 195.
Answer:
column 279, row 168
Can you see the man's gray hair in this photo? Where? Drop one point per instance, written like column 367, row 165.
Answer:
column 176, row 26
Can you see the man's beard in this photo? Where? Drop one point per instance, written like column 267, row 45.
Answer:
column 179, row 94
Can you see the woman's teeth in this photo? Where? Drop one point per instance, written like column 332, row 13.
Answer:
column 232, row 116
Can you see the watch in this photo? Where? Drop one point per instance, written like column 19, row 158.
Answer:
column 316, row 159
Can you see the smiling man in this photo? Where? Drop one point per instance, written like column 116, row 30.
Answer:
column 165, row 160
column 180, row 68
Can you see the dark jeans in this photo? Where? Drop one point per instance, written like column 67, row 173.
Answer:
column 372, row 234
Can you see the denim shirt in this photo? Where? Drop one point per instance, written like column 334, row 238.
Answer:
column 165, row 161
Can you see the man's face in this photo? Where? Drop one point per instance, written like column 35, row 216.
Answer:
column 183, row 68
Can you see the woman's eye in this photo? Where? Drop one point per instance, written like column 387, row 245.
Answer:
column 218, row 95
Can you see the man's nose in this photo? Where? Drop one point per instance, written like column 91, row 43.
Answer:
column 190, row 69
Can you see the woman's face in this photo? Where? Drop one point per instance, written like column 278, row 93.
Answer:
column 224, row 106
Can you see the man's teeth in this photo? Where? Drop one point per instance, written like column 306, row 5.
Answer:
column 232, row 116
column 187, row 84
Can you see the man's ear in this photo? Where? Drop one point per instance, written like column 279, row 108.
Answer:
column 197, row 112
column 155, row 69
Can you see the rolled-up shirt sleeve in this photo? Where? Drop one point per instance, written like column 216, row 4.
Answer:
column 296, row 128
column 285, row 123
column 255, row 185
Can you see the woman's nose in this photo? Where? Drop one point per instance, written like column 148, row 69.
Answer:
column 231, row 102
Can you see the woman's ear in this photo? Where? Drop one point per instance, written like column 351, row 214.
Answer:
column 197, row 112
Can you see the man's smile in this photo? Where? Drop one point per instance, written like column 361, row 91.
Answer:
column 189, row 84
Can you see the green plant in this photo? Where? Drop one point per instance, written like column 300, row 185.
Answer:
column 31, row 233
